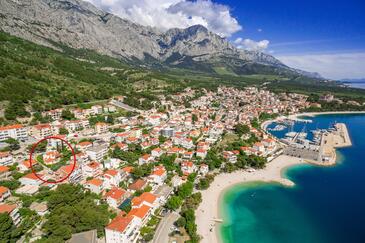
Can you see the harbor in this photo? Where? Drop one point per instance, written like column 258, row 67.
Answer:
column 319, row 150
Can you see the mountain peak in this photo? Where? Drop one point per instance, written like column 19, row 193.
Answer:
column 79, row 24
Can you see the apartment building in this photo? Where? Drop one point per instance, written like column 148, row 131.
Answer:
column 6, row 159
column 97, row 153
column 13, row 131
column 123, row 230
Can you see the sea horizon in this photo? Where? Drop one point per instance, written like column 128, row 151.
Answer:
column 270, row 213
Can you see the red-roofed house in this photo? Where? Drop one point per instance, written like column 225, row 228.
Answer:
column 92, row 169
column 116, row 196
column 4, row 172
column 16, row 131
column 259, row 147
column 128, row 170
column 122, row 146
column 157, row 152
column 137, row 185
column 146, row 145
column 269, row 144
column 248, row 150
column 94, row 185
column 145, row 159
column 12, row 211
column 187, row 143
column 158, row 175
column 131, row 140
column 175, row 150
column 41, row 131
column 188, row 155
column 4, row 193
column 51, row 157
column 123, row 229
column 230, row 156
column 83, row 146
column 187, row 167
column 202, row 153
column 30, row 179
column 121, row 137
column 25, row 165
column 147, row 199
column 101, row 127
column 75, row 175
column 111, row 178
column 143, row 213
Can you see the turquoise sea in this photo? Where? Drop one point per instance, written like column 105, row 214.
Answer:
column 327, row 205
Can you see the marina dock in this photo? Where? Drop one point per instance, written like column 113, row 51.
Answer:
column 323, row 153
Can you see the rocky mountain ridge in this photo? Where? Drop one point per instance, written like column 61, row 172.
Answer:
column 79, row 24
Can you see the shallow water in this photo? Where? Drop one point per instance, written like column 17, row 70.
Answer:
column 326, row 205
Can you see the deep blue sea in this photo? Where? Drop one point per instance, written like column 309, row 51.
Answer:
column 327, row 205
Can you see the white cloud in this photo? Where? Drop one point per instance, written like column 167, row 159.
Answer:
column 251, row 45
column 166, row 14
column 334, row 66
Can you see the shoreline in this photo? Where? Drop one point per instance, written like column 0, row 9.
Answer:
column 208, row 213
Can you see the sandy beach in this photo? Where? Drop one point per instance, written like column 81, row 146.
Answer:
column 207, row 215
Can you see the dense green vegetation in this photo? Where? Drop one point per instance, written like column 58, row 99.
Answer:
column 39, row 78
column 6, row 228
column 71, row 211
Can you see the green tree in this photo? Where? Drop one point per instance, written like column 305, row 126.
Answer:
column 67, row 115
column 71, row 211
column 181, row 222
column 185, row 190
column 13, row 143
column 194, row 118
column 174, row 202
column 63, row 131
column 6, row 227
column 241, row 129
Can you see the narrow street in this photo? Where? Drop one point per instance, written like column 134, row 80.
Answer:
column 163, row 229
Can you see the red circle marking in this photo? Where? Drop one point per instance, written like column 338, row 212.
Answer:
column 31, row 164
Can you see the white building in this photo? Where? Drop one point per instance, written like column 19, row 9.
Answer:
column 123, row 230
column 12, row 211
column 94, row 185
column 13, row 131
column 6, row 158
column 4, row 193
column 97, row 153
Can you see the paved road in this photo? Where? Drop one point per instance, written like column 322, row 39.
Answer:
column 123, row 106
column 163, row 229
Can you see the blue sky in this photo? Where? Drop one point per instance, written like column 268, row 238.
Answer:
column 303, row 27
column 322, row 36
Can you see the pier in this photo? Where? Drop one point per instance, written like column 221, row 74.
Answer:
column 325, row 152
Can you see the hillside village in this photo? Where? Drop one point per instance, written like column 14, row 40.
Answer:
column 144, row 165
